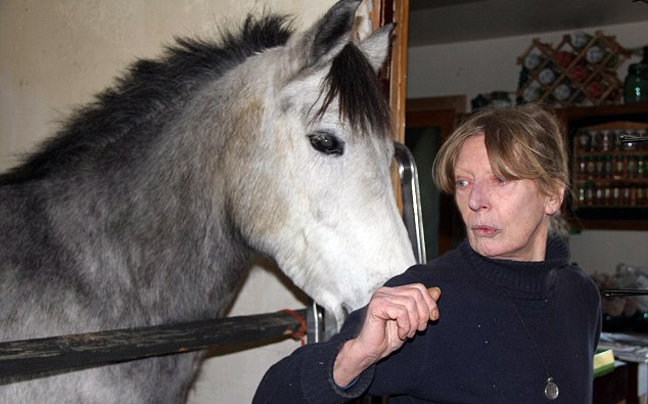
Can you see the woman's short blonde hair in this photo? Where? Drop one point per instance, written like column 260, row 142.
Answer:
column 522, row 143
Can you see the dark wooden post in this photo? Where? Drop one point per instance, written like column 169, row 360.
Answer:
column 19, row 358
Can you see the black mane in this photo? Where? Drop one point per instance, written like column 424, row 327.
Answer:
column 362, row 100
column 148, row 88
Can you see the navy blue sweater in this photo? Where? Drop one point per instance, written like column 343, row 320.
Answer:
column 478, row 351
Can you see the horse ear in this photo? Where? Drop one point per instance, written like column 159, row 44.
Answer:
column 377, row 47
column 326, row 38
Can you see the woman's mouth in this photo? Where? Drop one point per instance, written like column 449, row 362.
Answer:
column 484, row 231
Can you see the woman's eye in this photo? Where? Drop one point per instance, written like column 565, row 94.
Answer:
column 461, row 183
column 500, row 180
column 326, row 143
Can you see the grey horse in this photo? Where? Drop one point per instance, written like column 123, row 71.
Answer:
column 149, row 204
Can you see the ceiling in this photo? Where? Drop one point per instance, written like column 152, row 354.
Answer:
column 434, row 22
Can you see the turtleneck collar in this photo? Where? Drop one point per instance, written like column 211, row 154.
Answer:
column 521, row 279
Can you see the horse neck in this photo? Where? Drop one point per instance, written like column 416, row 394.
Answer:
column 153, row 224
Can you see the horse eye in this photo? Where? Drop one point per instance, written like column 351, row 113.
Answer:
column 326, row 143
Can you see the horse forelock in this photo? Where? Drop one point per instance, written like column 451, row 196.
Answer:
column 361, row 99
column 150, row 91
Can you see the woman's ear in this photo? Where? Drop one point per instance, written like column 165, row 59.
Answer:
column 554, row 201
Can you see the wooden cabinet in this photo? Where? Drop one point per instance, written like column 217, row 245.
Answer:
column 609, row 176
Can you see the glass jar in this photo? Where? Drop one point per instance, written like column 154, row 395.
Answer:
column 590, row 164
column 619, row 167
column 607, row 141
column 581, row 189
column 608, row 168
column 631, row 168
column 584, row 140
column 595, row 141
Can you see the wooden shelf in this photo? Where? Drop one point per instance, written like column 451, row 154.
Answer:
column 605, row 216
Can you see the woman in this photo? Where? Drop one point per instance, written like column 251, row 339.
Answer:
column 517, row 323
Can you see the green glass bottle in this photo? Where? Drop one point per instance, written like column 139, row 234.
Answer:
column 635, row 89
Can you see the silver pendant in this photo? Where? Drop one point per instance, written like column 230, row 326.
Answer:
column 551, row 389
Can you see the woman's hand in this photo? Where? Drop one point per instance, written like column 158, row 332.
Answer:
column 394, row 314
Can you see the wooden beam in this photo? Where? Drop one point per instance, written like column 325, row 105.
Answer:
column 28, row 357
column 386, row 12
column 394, row 75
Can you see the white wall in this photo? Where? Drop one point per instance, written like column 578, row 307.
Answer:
column 471, row 68
column 56, row 54
column 602, row 251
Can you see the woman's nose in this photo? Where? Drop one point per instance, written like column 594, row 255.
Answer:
column 478, row 198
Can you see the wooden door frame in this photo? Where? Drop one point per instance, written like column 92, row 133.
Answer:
column 395, row 74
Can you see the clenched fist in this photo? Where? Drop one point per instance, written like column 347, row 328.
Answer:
column 394, row 314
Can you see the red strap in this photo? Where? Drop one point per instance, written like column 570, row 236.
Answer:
column 301, row 333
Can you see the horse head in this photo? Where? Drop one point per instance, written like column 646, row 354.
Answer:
column 320, row 181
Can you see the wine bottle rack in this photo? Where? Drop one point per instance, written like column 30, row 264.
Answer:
column 580, row 71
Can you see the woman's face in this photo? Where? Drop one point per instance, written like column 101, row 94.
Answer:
column 504, row 219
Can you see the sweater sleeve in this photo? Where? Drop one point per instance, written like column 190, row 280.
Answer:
column 306, row 376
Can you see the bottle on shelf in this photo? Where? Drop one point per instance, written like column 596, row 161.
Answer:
column 608, row 167
column 635, row 88
column 616, row 196
column 584, row 140
column 619, row 167
column 595, row 141
column 581, row 192
column 632, row 167
column 607, row 140
column 590, row 164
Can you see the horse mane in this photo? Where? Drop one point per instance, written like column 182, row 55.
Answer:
column 149, row 87
column 362, row 100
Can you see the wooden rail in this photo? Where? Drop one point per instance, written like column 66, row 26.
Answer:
column 29, row 357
